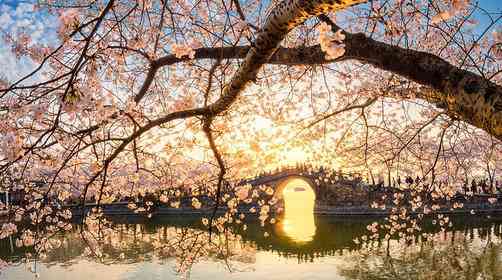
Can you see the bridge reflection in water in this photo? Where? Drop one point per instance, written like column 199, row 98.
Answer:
column 141, row 248
column 299, row 200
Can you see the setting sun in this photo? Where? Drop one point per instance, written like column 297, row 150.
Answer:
column 299, row 200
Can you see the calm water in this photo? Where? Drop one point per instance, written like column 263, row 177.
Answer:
column 294, row 248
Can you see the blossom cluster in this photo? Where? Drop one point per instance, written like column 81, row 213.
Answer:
column 7, row 230
column 456, row 6
column 331, row 44
column 182, row 50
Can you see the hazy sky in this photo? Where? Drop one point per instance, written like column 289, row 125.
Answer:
column 19, row 16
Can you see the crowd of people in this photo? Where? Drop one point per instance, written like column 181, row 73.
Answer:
column 483, row 186
column 473, row 187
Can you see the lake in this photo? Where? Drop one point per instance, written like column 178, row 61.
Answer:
column 308, row 247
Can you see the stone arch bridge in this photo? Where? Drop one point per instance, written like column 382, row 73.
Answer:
column 330, row 188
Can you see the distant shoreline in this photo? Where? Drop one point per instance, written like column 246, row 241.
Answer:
column 474, row 207
column 122, row 209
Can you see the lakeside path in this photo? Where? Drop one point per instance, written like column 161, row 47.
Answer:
column 121, row 209
column 468, row 208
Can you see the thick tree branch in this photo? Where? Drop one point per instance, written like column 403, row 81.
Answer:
column 285, row 16
column 465, row 95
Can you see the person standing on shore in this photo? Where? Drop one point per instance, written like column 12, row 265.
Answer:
column 474, row 187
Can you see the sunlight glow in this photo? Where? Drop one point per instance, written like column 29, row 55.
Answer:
column 299, row 200
column 294, row 156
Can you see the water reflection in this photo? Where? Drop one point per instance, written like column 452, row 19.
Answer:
column 155, row 249
column 299, row 199
column 448, row 256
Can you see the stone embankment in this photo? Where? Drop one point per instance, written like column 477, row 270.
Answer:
column 475, row 207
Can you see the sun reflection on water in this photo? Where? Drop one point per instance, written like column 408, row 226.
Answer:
column 299, row 200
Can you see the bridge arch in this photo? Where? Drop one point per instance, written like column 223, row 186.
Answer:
column 303, row 181
column 297, row 198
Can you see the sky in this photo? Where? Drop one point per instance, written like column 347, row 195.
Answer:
column 491, row 6
column 20, row 17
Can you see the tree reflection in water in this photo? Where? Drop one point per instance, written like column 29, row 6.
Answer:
column 468, row 254
column 470, row 250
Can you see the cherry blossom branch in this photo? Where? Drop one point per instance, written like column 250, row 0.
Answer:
column 464, row 94
column 367, row 103
column 283, row 18
column 221, row 176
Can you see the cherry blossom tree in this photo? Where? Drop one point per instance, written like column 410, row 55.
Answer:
column 134, row 99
